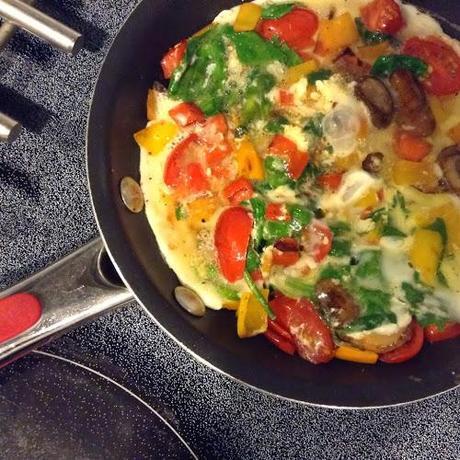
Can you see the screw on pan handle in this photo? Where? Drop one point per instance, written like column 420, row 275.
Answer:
column 79, row 287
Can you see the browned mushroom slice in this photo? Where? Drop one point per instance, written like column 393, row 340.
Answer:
column 414, row 115
column 348, row 64
column 373, row 162
column 378, row 100
column 337, row 304
column 379, row 343
column 449, row 160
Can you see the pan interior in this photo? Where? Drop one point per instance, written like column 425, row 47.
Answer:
column 118, row 110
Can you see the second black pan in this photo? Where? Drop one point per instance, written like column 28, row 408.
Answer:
column 131, row 67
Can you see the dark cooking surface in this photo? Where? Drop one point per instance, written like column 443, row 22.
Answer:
column 45, row 213
column 50, row 408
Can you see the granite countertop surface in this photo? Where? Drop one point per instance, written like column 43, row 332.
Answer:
column 45, row 213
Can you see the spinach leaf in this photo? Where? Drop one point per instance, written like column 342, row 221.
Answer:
column 369, row 37
column 340, row 247
column 276, row 125
column 335, row 271
column 255, row 104
column 253, row 50
column 276, row 173
column 321, row 74
column 375, row 310
column 201, row 76
column 276, row 11
column 339, row 228
column 386, row 65
column 252, row 260
column 369, row 264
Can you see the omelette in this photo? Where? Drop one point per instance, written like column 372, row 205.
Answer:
column 300, row 165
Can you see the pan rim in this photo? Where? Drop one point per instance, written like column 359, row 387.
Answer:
column 116, row 256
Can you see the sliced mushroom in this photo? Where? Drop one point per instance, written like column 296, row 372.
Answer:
column 348, row 64
column 338, row 305
column 379, row 343
column 414, row 115
column 378, row 100
column 449, row 161
column 373, row 162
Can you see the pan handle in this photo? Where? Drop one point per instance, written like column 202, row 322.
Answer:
column 79, row 287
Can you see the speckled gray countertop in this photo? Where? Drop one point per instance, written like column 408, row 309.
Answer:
column 45, row 213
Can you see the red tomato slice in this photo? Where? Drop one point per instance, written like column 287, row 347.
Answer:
column 444, row 62
column 311, row 335
column 330, row 181
column 295, row 28
column 318, row 240
column 280, row 342
column 410, row 147
column 173, row 58
column 216, row 161
column 182, row 170
column 382, row 16
column 284, row 258
column 217, row 123
column 238, row 191
column 450, row 331
column 276, row 211
column 231, row 239
column 297, row 160
column 186, row 113
column 285, row 97
column 409, row 349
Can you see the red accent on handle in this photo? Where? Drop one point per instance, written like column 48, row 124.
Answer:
column 18, row 313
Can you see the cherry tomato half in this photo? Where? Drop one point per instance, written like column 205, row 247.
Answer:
column 186, row 113
column 231, row 239
column 284, row 258
column 279, row 340
column 173, row 58
column 434, row 334
column 238, row 191
column 295, row 28
column 276, row 211
column 311, row 335
column 408, row 350
column 330, row 181
column 382, row 16
column 444, row 75
column 317, row 240
column 284, row 147
column 183, row 170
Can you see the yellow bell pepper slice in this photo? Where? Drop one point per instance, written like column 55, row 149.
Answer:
column 372, row 52
column 201, row 210
column 295, row 73
column 425, row 254
column 231, row 305
column 249, row 163
column 454, row 133
column 252, row 318
column 336, row 34
column 356, row 355
column 369, row 200
column 155, row 137
column 151, row 105
column 414, row 173
column 451, row 216
column 439, row 112
column 247, row 18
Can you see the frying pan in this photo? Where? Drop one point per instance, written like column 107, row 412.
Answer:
column 84, row 284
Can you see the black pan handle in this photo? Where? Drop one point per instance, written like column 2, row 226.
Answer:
column 79, row 287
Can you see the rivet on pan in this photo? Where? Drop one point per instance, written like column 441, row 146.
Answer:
column 131, row 194
column 190, row 301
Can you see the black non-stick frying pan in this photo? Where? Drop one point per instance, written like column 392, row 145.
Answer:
column 118, row 110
